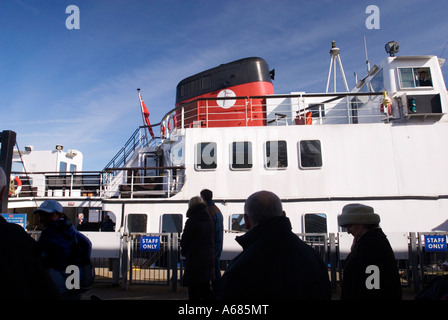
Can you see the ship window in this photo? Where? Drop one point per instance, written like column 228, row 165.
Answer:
column 206, row 156
column 276, row 154
column 242, row 155
column 316, row 223
column 172, row 223
column 137, row 222
column 237, row 222
column 414, row 77
column 62, row 167
column 376, row 84
column 310, row 154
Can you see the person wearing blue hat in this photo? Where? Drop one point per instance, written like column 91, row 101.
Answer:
column 58, row 242
column 49, row 211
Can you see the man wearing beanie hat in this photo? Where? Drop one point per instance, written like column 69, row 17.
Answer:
column 370, row 248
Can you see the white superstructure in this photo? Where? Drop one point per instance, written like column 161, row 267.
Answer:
column 317, row 152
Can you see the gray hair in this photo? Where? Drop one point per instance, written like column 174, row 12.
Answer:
column 263, row 205
column 194, row 201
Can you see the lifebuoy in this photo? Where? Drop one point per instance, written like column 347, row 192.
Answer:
column 13, row 190
column 175, row 121
column 172, row 123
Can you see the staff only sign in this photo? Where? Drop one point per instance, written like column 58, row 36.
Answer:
column 150, row 243
column 435, row 243
column 17, row 218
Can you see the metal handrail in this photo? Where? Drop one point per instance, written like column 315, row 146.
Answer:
column 100, row 183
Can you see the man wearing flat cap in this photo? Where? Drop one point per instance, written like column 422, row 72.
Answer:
column 370, row 248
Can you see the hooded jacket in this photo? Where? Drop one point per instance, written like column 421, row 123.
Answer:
column 275, row 264
column 197, row 246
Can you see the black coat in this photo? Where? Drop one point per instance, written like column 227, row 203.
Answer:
column 275, row 264
column 22, row 275
column 197, row 246
column 372, row 248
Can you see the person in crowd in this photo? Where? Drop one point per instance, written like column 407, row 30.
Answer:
column 198, row 248
column 423, row 81
column 60, row 244
column 370, row 270
column 107, row 224
column 218, row 227
column 83, row 224
column 22, row 276
column 275, row 263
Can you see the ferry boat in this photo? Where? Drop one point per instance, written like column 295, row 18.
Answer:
column 380, row 144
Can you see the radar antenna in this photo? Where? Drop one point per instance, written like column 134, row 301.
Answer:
column 334, row 52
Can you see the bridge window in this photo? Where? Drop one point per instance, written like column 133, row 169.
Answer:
column 206, row 156
column 414, row 77
column 172, row 223
column 62, row 168
column 276, row 154
column 310, row 154
column 377, row 82
column 242, row 155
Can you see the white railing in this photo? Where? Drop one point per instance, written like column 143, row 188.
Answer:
column 294, row 109
column 113, row 182
column 144, row 182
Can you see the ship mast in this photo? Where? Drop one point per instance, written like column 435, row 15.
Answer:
column 334, row 52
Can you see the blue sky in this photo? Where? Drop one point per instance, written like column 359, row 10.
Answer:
column 78, row 87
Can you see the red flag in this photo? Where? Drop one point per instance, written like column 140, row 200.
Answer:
column 145, row 114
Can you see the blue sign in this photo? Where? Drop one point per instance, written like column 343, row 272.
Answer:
column 150, row 243
column 435, row 243
column 17, row 218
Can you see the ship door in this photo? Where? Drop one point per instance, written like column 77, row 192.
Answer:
column 152, row 176
column 152, row 161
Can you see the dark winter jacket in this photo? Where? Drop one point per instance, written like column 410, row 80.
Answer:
column 57, row 243
column 372, row 248
column 275, row 264
column 217, row 218
column 197, row 246
column 22, row 276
